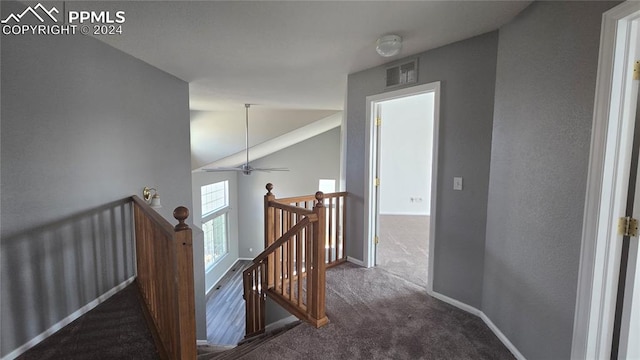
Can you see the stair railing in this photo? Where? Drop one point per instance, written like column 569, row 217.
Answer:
column 291, row 270
column 335, row 205
column 164, row 259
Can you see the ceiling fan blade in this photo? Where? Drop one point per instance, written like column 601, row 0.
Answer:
column 223, row 169
column 269, row 169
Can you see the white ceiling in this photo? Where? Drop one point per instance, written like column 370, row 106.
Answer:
column 284, row 54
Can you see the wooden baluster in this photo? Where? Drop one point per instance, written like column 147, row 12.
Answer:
column 318, row 316
column 263, row 298
column 256, row 297
column 278, row 255
column 338, row 228
column 331, row 244
column 269, row 231
column 344, row 226
column 285, row 228
column 299, row 266
column 248, row 298
column 308, row 265
column 290, row 244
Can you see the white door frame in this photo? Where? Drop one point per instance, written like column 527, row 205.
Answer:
column 369, row 189
column 607, row 186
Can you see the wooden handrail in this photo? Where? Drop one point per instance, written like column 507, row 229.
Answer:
column 164, row 263
column 290, row 208
column 153, row 215
column 297, row 199
column 285, row 237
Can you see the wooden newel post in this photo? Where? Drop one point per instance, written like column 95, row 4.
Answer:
column 181, row 214
column 269, row 233
column 318, row 315
column 186, row 315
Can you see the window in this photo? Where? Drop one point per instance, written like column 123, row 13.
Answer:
column 215, row 206
column 327, row 185
column 214, row 197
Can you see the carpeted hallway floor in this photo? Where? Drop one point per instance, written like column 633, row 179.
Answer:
column 375, row 314
column 403, row 249
column 113, row 330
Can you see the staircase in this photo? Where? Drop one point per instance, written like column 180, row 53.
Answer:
column 303, row 236
column 244, row 347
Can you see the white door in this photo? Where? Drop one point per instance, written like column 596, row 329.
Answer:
column 597, row 319
column 629, row 295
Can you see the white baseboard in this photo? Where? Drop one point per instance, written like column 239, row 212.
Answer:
column 406, row 213
column 502, row 337
column 246, row 258
column 459, row 304
column 206, row 293
column 202, row 342
column 472, row 310
column 66, row 321
column 355, row 261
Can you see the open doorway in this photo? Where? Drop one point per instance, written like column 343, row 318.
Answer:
column 405, row 144
column 402, row 173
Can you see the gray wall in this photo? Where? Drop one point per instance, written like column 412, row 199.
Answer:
column 205, row 178
column 466, row 70
column 308, row 161
column 547, row 63
column 83, row 126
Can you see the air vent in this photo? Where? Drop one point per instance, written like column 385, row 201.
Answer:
column 403, row 73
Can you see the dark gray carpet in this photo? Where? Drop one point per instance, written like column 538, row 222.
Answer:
column 115, row 329
column 377, row 315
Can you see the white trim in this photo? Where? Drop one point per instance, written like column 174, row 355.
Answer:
column 404, row 213
column 472, row 310
column 241, row 258
column 369, row 175
column 202, row 342
column 342, row 185
column 66, row 321
column 223, row 274
column 514, row 350
column 607, row 185
column 355, row 261
column 459, row 304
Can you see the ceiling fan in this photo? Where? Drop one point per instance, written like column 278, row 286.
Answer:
column 245, row 168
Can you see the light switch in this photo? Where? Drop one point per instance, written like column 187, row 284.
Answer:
column 457, row 183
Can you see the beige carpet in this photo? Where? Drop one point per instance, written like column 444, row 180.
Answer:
column 403, row 248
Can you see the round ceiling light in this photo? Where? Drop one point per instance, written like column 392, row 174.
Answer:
column 389, row 45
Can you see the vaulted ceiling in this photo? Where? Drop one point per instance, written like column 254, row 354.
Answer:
column 290, row 58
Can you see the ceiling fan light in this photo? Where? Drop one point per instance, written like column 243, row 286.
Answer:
column 389, row 45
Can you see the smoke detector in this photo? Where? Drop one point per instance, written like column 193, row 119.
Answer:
column 389, row 45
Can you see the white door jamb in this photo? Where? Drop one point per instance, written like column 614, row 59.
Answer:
column 369, row 189
column 607, row 186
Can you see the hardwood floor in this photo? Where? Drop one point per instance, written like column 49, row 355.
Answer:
column 225, row 308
